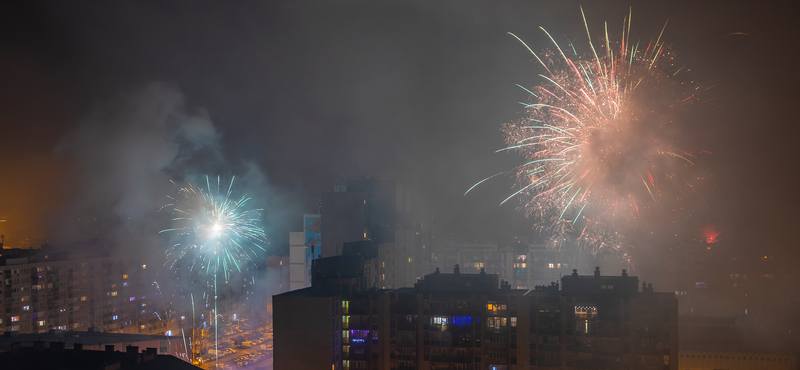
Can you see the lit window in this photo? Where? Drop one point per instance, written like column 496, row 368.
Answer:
column 124, row 276
column 14, row 318
column 144, row 267
column 113, row 294
column 133, row 299
column 559, row 265
column 551, row 265
column 114, row 317
column 514, row 322
column 496, row 323
column 345, row 322
column 41, row 323
column 83, row 298
column 26, row 308
column 345, row 336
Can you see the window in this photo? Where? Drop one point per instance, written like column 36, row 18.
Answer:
column 551, row 265
column 83, row 298
column 345, row 322
column 14, row 318
column 125, row 276
column 495, row 307
column 513, row 322
column 585, row 312
column 496, row 323
column 26, row 308
column 114, row 317
column 113, row 294
column 40, row 323
column 345, row 306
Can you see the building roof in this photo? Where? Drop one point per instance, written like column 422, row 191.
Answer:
column 54, row 358
column 69, row 338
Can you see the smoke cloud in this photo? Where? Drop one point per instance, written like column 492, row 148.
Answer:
column 123, row 157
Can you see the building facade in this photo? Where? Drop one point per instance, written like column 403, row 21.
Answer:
column 48, row 290
column 473, row 321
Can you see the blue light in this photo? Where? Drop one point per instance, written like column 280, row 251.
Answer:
column 462, row 320
column 357, row 340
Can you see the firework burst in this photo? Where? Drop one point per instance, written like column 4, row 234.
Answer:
column 216, row 232
column 598, row 141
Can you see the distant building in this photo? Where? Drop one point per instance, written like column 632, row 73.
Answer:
column 724, row 343
column 379, row 211
column 473, row 321
column 522, row 265
column 46, row 289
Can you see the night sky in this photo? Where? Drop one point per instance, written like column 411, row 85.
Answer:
column 103, row 103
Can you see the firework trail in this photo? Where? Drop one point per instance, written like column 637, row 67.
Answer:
column 217, row 235
column 597, row 140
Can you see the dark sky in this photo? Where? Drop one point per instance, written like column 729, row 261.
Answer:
column 291, row 94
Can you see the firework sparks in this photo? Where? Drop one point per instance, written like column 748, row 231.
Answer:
column 217, row 233
column 597, row 141
column 710, row 233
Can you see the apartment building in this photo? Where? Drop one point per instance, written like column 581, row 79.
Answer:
column 473, row 321
column 50, row 290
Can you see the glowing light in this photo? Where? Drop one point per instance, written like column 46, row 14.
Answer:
column 597, row 141
column 710, row 233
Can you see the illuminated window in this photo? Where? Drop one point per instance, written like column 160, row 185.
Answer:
column 585, row 312
column 496, row 323
column 345, row 364
column 14, row 318
column 495, row 307
column 144, row 267
column 113, row 294
column 346, row 350
column 439, row 322
column 124, row 276
column 133, row 299
column 345, row 336
column 551, row 265
column 558, row 265
column 26, row 308
column 83, row 298
column 409, row 259
column 345, row 306
column 513, row 322
column 41, row 323
column 114, row 317
column 345, row 322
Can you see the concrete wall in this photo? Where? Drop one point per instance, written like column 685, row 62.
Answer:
column 302, row 325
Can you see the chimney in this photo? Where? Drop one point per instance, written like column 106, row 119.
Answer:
column 456, row 270
column 152, row 350
column 437, row 271
column 624, row 273
column 109, row 348
column 644, row 286
column 597, row 271
column 574, row 273
column 483, row 271
column 56, row 346
column 77, row 347
column 132, row 350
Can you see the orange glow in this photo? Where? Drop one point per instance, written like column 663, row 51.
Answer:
column 710, row 233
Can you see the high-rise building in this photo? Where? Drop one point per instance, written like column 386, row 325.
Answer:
column 45, row 289
column 379, row 211
column 473, row 321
